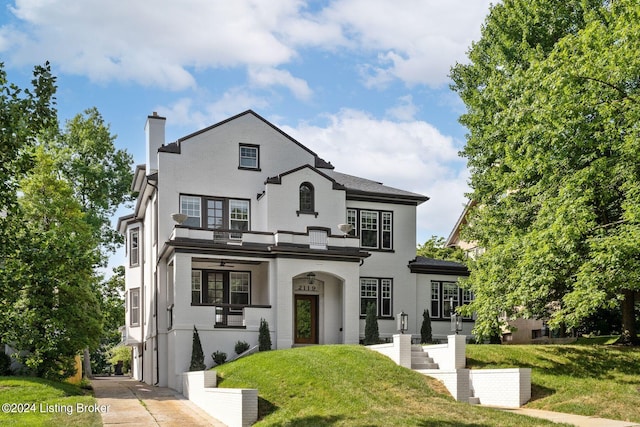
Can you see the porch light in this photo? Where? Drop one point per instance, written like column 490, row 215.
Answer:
column 311, row 277
column 456, row 319
column 403, row 322
column 179, row 217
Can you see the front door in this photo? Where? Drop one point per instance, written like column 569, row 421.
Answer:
column 306, row 319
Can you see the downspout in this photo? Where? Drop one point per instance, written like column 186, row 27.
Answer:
column 155, row 288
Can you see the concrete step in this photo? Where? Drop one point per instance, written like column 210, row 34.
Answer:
column 474, row 400
column 424, row 365
column 421, row 359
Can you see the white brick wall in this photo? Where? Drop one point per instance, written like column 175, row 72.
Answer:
column 233, row 406
column 502, row 387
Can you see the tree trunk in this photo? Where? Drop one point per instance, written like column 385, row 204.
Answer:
column 86, row 365
column 629, row 333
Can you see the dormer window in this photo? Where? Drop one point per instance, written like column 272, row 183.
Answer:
column 249, row 157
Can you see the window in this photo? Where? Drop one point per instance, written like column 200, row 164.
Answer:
column 375, row 228
column 369, row 229
column 220, row 287
column 219, row 213
column 249, row 157
column 307, row 202
column 134, row 306
column 134, row 247
column 378, row 292
column 445, row 297
column 190, row 205
column 238, row 217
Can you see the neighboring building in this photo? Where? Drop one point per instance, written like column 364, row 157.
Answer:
column 519, row 330
column 240, row 222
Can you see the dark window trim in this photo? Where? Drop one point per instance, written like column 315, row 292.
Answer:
column 134, row 261
column 357, row 231
column 226, row 285
column 226, row 220
column 441, row 315
column 378, row 296
column 249, row 168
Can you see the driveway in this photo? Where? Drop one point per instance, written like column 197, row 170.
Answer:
column 132, row 403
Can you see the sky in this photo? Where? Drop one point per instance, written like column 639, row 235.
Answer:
column 360, row 82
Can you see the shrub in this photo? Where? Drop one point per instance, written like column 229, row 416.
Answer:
column 264, row 336
column 5, row 364
column 241, row 347
column 371, row 334
column 426, row 336
column 121, row 353
column 197, row 355
column 219, row 357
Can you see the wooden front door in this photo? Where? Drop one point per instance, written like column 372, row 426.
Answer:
column 306, row 319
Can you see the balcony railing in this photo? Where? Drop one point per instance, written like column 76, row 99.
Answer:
column 238, row 315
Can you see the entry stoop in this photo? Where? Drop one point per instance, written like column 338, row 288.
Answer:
column 420, row 359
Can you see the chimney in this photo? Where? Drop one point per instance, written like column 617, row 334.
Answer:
column 154, row 131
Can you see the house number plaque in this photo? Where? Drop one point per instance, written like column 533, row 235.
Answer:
column 307, row 288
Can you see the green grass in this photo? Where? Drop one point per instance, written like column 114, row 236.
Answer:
column 593, row 380
column 351, row 386
column 41, row 397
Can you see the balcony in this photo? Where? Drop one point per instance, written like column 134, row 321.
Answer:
column 239, row 316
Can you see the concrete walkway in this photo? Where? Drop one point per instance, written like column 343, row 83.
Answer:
column 132, row 403
column 576, row 420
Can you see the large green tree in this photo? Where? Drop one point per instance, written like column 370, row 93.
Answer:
column 50, row 310
column 434, row 248
column 552, row 96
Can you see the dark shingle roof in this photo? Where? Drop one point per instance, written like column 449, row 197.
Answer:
column 366, row 187
column 437, row 266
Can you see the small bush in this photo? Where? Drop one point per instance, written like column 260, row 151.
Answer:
column 371, row 334
column 241, row 347
column 264, row 336
column 426, row 336
column 219, row 357
column 5, row 364
column 197, row 356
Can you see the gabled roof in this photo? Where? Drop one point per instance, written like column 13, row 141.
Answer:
column 462, row 220
column 366, row 189
column 175, row 147
column 278, row 178
column 437, row 266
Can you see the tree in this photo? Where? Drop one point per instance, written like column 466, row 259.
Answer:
column 371, row 333
column 112, row 307
column 552, row 112
column 197, row 355
column 434, row 248
column 425, row 330
column 50, row 311
column 264, row 336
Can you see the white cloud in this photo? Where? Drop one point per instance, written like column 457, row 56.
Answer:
column 411, row 155
column 405, row 110
column 162, row 43
column 268, row 77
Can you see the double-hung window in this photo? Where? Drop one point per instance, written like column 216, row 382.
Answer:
column 134, row 247
column 249, row 157
column 216, row 213
column 191, row 206
column 375, row 228
column 134, row 307
column 209, row 287
column 379, row 292
column 446, row 297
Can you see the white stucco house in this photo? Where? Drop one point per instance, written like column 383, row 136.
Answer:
column 240, row 222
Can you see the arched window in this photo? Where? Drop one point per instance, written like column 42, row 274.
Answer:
column 306, row 198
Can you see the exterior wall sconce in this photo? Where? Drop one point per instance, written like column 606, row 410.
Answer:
column 311, row 277
column 403, row 322
column 456, row 319
column 179, row 218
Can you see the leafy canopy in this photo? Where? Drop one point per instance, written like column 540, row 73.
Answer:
column 552, row 97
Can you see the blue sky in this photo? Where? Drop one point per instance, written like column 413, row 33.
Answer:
column 363, row 83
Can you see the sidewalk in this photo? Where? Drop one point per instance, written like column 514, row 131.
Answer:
column 132, row 403
column 577, row 420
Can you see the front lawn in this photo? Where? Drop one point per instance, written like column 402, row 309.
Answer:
column 30, row 401
column 593, row 380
